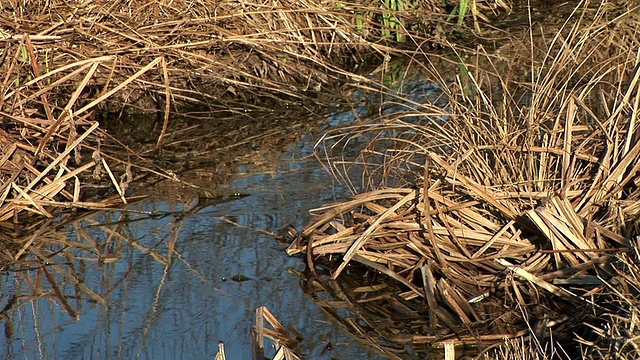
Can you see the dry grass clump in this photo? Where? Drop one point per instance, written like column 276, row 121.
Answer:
column 283, row 339
column 63, row 62
column 210, row 48
column 509, row 212
column 45, row 160
column 247, row 49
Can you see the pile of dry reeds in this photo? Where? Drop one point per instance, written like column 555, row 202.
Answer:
column 52, row 153
column 513, row 212
column 208, row 48
column 66, row 64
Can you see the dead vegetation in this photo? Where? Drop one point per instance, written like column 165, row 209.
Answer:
column 510, row 213
column 246, row 49
column 69, row 65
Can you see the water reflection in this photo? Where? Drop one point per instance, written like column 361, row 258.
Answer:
column 159, row 280
column 150, row 282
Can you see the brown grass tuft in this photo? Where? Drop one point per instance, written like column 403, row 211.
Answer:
column 512, row 208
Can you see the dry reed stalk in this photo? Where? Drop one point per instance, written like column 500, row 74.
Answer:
column 284, row 343
column 510, row 223
column 221, row 354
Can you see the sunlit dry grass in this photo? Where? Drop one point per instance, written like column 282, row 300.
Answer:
column 67, row 65
column 512, row 208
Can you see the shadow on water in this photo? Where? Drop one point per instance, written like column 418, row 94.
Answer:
column 175, row 274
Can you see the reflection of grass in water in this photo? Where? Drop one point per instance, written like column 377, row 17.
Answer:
column 62, row 259
column 81, row 260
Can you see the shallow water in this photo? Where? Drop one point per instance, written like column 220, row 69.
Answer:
column 167, row 270
column 184, row 310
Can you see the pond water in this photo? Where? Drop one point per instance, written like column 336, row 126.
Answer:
column 159, row 280
column 155, row 311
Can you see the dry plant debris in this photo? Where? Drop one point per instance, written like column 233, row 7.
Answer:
column 65, row 63
column 528, row 195
column 46, row 161
column 525, row 204
column 283, row 342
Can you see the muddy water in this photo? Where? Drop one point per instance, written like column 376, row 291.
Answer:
column 174, row 275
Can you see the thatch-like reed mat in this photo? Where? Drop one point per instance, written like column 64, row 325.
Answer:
column 48, row 159
column 517, row 210
column 212, row 50
column 246, row 49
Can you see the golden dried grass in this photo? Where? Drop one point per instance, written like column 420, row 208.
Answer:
column 244, row 48
column 526, row 195
column 45, row 161
column 64, row 61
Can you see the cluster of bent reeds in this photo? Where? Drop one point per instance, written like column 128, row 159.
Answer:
column 510, row 213
column 67, row 65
